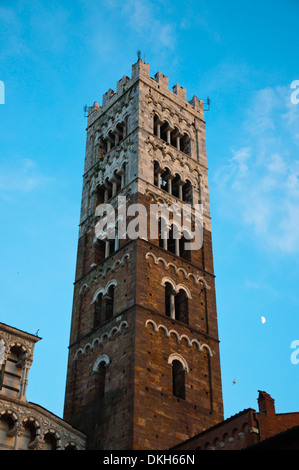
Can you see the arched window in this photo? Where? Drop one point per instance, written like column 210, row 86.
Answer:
column 174, row 137
column 104, row 306
column 100, row 195
column 28, row 437
column 109, row 303
column 109, row 190
column 120, row 132
column 178, row 379
column 160, row 234
column 187, row 193
column 157, row 181
column 116, row 180
column 110, row 246
column 185, row 252
column 7, row 439
column 165, row 180
column 50, row 442
column 169, row 304
column 177, row 186
column 99, row 372
column 98, row 310
column 176, row 302
column 171, row 242
column 156, row 125
column 111, row 140
column 163, row 131
column 99, row 251
column 101, row 380
column 70, row 446
column 101, row 149
column 185, row 144
column 181, row 306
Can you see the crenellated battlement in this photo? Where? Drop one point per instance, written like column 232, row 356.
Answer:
column 140, row 71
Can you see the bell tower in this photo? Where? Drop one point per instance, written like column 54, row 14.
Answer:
column 144, row 366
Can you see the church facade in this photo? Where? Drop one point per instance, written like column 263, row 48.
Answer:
column 25, row 425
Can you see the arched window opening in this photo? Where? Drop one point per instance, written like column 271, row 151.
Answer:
column 101, row 148
column 156, row 125
column 157, row 174
column 171, row 242
column 101, row 380
column 28, row 437
column 164, row 182
column 177, row 187
column 109, row 301
column 119, row 132
column 6, row 438
column 109, row 190
column 176, row 303
column 169, row 300
column 104, row 307
column 110, row 246
column 175, row 138
column 178, row 379
column 116, row 183
column 98, row 310
column 70, row 447
column 99, row 251
column 100, row 195
column 162, row 232
column 50, row 442
column 111, row 140
column 116, row 238
column 187, row 192
column 185, row 144
column 185, row 252
column 181, row 306
column 163, row 131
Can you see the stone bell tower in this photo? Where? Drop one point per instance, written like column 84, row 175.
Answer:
column 144, row 366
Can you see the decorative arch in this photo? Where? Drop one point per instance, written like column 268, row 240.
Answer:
column 170, row 281
column 104, row 290
column 176, row 287
column 100, row 339
column 178, row 357
column 103, row 358
column 185, row 289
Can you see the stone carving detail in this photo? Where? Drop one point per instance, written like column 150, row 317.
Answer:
column 191, row 166
column 42, row 424
column 10, row 340
column 100, row 339
column 196, row 279
column 189, row 342
column 103, row 273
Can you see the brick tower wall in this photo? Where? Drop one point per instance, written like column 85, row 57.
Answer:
column 138, row 408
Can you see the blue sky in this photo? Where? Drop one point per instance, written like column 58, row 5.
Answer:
column 58, row 56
